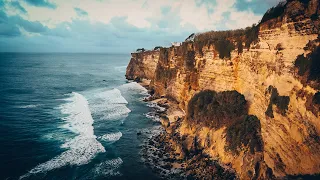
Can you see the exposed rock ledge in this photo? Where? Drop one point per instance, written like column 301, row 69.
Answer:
column 257, row 112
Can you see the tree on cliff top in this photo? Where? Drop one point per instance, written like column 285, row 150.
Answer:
column 141, row 50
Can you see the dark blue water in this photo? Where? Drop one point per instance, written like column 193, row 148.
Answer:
column 70, row 116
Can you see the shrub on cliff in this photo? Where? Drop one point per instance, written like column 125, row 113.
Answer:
column 316, row 98
column 226, row 38
column 240, row 46
column 282, row 102
column 226, row 109
column 215, row 110
column 224, row 47
column 191, row 37
column 141, row 50
column 245, row 132
column 251, row 35
column 274, row 12
column 157, row 48
column 189, row 60
column 309, row 65
column 302, row 64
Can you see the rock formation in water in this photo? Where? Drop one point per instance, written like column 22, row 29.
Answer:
column 251, row 97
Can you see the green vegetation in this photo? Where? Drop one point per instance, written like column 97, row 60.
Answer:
column 315, row 65
column 224, row 47
column 215, row 110
column 224, row 40
column 226, row 109
column 246, row 132
column 282, row 102
column 302, row 64
column 141, row 50
column 189, row 60
column 309, row 65
column 251, row 35
column 274, row 12
column 190, row 38
column 240, row 46
column 157, row 47
column 316, row 98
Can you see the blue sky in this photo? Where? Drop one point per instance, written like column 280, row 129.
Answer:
column 117, row 26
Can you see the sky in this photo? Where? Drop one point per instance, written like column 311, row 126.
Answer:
column 117, row 26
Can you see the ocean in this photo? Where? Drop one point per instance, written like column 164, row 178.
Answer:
column 71, row 116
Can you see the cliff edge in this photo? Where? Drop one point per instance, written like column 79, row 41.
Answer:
column 251, row 97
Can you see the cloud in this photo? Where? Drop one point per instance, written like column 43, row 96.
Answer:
column 41, row 3
column 80, row 12
column 6, row 28
column 116, row 25
column 18, row 6
column 256, row 6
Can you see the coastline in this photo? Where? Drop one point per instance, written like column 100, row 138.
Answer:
column 165, row 152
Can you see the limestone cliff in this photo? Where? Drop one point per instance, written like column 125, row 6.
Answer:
column 142, row 65
column 277, row 122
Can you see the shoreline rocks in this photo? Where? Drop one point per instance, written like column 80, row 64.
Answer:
column 164, row 152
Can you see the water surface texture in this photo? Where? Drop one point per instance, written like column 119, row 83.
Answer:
column 71, row 116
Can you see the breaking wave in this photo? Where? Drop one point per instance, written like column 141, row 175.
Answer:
column 109, row 104
column 111, row 137
column 29, row 106
column 82, row 148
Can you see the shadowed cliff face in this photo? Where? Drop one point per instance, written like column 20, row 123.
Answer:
column 275, row 85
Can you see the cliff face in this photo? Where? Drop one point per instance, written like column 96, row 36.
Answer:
column 280, row 94
column 142, row 65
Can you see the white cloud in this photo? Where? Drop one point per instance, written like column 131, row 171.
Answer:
column 140, row 12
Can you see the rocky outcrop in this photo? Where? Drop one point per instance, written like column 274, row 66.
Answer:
column 142, row 65
column 276, row 124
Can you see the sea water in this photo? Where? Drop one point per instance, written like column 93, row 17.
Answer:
column 71, row 116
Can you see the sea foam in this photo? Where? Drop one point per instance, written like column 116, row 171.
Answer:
column 111, row 137
column 109, row 104
column 109, row 167
column 82, row 148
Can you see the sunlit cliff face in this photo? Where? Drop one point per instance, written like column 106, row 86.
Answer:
column 278, row 76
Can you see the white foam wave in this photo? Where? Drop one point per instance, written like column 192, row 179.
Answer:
column 109, row 167
column 111, row 137
column 29, row 106
column 153, row 116
column 156, row 106
column 109, row 104
column 84, row 146
column 134, row 87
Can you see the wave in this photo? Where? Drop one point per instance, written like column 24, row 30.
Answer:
column 109, row 167
column 133, row 87
column 84, row 146
column 111, row 137
column 156, row 107
column 109, row 104
column 29, row 106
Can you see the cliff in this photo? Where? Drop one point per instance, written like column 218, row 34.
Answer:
column 256, row 108
column 142, row 65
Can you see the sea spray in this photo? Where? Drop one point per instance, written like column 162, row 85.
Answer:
column 82, row 148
